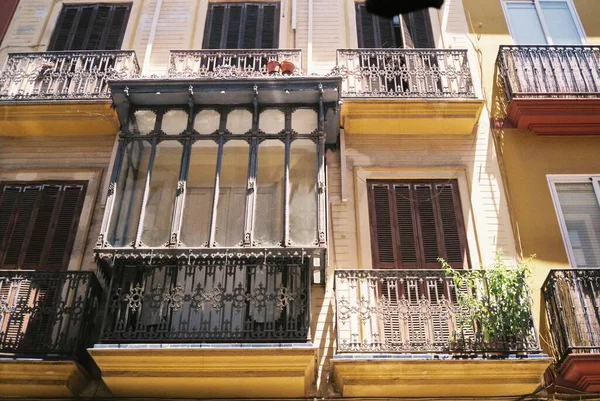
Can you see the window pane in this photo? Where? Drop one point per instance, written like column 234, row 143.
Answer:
column 560, row 23
column 581, row 212
column 239, row 121
column 268, row 228
column 174, row 122
column 303, row 195
column 232, row 194
column 159, row 208
column 525, row 24
column 142, row 122
column 130, row 189
column 272, row 121
column 199, row 193
column 207, row 122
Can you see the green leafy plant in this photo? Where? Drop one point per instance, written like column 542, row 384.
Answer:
column 496, row 302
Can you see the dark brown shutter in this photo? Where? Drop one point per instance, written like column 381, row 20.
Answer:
column 382, row 228
column 250, row 27
column 417, row 31
column 242, row 26
column 270, row 27
column 376, row 32
column 90, row 27
column 38, row 224
column 413, row 223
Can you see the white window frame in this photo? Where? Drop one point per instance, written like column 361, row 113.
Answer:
column 538, row 9
column 554, row 179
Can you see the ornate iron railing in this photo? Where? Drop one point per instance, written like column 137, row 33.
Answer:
column 46, row 313
column 64, row 75
column 404, row 73
column 550, row 71
column 217, row 301
column 413, row 311
column 572, row 298
column 235, row 63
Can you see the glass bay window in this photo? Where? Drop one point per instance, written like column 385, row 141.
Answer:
column 218, row 178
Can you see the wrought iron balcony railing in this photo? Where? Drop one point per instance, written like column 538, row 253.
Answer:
column 413, row 311
column 572, row 298
column 550, row 71
column 404, row 73
column 64, row 75
column 47, row 313
column 231, row 301
column 235, row 63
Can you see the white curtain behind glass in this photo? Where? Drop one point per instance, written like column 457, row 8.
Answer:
column 581, row 212
column 560, row 23
column 525, row 25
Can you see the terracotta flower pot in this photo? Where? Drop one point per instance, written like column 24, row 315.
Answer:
column 287, row 67
column 272, row 66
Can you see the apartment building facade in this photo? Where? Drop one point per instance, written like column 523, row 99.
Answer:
column 225, row 199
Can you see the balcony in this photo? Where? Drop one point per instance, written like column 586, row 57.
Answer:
column 237, row 328
column 223, row 64
column 46, row 319
column 572, row 300
column 407, row 91
column 552, row 90
column 39, row 90
column 404, row 332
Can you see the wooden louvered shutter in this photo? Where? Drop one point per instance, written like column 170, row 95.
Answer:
column 16, row 294
column 269, row 27
column 416, row 30
column 242, row 26
column 38, row 224
column 415, row 223
column 383, row 227
column 90, row 27
column 374, row 31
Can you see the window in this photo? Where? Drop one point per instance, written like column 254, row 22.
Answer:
column 38, row 223
column 90, row 27
column 223, row 178
column 242, row 26
column 535, row 22
column 413, row 223
column 411, row 30
column 577, row 204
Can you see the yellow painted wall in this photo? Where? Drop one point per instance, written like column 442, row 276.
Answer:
column 525, row 158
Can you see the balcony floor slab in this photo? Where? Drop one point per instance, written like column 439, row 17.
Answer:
column 410, row 116
column 41, row 378
column 58, row 118
column 397, row 377
column 247, row 372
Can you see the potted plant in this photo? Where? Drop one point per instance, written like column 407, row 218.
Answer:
column 496, row 303
column 272, row 66
column 287, row 67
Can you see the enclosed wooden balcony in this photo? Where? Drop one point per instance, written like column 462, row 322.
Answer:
column 62, row 93
column 407, row 91
column 46, row 322
column 405, row 332
column 207, row 328
column 572, row 300
column 552, row 90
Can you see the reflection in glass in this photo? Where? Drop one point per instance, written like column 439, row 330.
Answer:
column 199, row 193
column 239, row 121
column 129, row 194
column 303, row 195
column 174, row 122
column 161, row 197
column 268, row 226
column 232, row 194
column 304, row 121
column 272, row 121
column 207, row 121
column 142, row 122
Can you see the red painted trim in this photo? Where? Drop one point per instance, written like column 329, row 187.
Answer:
column 572, row 116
